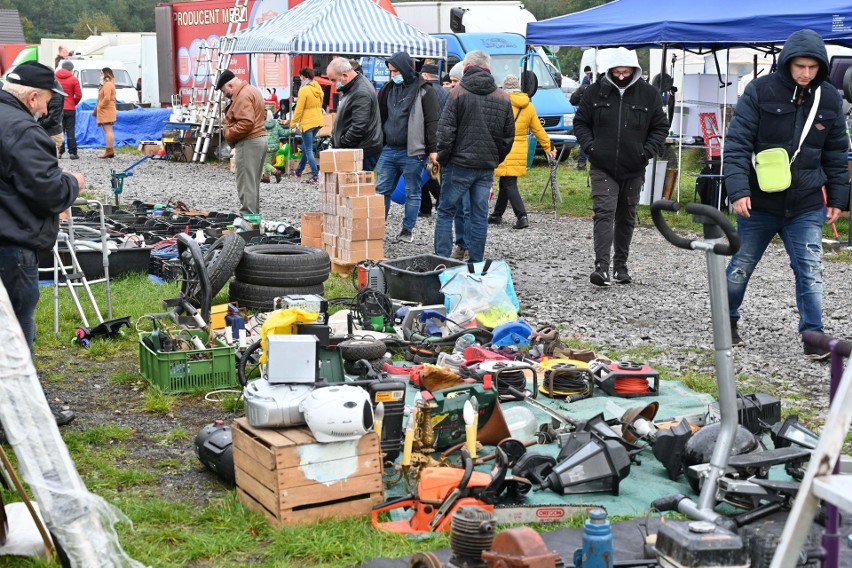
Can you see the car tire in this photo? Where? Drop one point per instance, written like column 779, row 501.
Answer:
column 222, row 259
column 283, row 265
column 257, row 297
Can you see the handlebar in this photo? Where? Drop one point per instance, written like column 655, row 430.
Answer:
column 818, row 339
column 707, row 216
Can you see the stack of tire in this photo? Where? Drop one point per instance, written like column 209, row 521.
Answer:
column 269, row 271
column 369, row 349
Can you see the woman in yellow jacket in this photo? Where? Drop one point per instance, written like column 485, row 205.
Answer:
column 105, row 111
column 308, row 117
column 515, row 164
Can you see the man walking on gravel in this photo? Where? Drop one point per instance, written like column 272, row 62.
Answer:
column 620, row 125
column 34, row 189
column 475, row 135
column 244, row 130
column 797, row 110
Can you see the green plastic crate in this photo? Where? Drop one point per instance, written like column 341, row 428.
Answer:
column 186, row 371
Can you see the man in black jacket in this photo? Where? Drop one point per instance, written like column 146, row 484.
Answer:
column 475, row 135
column 409, row 110
column 772, row 114
column 33, row 188
column 620, row 125
column 357, row 124
column 52, row 121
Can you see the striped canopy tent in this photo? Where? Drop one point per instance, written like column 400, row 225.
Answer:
column 340, row 27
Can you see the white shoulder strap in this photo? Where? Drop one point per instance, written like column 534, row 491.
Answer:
column 808, row 123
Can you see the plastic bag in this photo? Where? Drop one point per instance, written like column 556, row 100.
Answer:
column 484, row 288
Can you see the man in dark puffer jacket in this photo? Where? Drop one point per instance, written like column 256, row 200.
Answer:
column 475, row 135
column 620, row 125
column 772, row 114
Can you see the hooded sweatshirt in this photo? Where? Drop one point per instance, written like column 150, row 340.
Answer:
column 399, row 101
column 620, row 127
column 409, row 110
column 71, row 85
column 771, row 114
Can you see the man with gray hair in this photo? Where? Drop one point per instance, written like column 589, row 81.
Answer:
column 475, row 134
column 35, row 189
column 358, row 124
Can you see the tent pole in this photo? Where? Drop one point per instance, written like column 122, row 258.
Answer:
column 654, row 160
column 680, row 126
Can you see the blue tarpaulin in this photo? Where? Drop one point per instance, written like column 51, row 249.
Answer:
column 131, row 127
column 712, row 25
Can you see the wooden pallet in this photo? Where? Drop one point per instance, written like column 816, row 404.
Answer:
column 290, row 478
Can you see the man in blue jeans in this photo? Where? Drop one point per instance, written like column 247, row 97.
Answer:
column 409, row 109
column 34, row 190
column 772, row 113
column 475, row 135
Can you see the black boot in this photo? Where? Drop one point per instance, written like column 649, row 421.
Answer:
column 521, row 223
column 736, row 340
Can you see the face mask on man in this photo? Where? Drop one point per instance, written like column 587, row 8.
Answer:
column 338, row 85
column 37, row 115
column 398, row 79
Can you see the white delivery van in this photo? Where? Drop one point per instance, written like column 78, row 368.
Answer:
column 88, row 71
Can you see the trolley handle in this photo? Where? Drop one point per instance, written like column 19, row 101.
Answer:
column 709, row 216
column 817, row 339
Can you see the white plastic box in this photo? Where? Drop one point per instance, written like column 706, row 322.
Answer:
column 291, row 359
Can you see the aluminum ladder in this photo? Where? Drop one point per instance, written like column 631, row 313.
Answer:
column 822, row 480
column 212, row 107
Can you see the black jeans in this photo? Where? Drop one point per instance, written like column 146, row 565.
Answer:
column 19, row 274
column 615, row 204
column 508, row 193
column 430, row 188
column 69, row 123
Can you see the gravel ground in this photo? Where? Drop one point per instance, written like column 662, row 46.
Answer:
column 666, row 309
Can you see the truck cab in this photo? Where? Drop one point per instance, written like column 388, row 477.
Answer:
column 507, row 51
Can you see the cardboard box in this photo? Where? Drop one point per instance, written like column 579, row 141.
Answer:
column 361, row 206
column 312, row 224
column 362, row 229
column 150, row 147
column 353, row 184
column 328, row 123
column 315, row 242
column 356, row 251
column 341, row 160
column 329, row 243
column 328, row 183
column 291, row 479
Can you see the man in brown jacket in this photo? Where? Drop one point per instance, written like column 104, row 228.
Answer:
column 244, row 131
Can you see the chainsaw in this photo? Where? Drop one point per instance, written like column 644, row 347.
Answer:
column 443, row 490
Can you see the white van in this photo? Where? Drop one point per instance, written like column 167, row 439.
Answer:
column 88, row 71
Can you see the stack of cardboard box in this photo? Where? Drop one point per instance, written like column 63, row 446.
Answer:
column 353, row 218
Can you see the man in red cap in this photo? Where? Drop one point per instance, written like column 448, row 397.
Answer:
column 244, row 131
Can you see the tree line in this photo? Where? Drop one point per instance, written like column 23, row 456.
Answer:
column 81, row 18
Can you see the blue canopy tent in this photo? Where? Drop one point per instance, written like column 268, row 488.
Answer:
column 690, row 25
column 340, row 27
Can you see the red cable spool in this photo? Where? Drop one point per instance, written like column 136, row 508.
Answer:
column 628, row 379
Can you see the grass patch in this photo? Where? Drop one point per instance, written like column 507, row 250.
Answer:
column 159, row 402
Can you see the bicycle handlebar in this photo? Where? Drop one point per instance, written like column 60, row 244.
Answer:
column 712, row 216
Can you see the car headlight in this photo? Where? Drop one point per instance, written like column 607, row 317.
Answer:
column 568, row 119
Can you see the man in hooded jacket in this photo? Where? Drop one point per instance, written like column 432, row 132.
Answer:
column 620, row 125
column 409, row 109
column 475, row 135
column 772, row 114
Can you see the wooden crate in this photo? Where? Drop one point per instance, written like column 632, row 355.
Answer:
column 292, row 479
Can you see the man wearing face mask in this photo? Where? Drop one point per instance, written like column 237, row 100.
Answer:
column 620, row 125
column 409, row 109
column 33, row 188
column 358, row 124
column 244, row 130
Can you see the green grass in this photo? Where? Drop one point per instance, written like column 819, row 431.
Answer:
column 220, row 531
